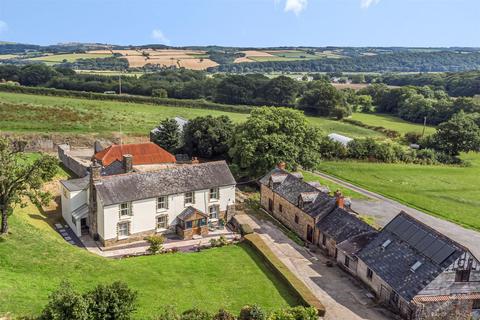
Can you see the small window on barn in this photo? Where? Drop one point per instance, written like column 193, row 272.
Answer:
column 386, row 243
column 324, row 239
column 280, row 208
column 462, row 276
column 415, row 266
column 347, row 262
column 369, row 274
column 296, row 219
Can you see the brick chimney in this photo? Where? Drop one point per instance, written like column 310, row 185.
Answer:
column 281, row 165
column 127, row 163
column 340, row 199
column 95, row 171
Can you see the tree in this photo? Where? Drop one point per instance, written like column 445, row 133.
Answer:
column 111, row 302
column 208, row 137
column 35, row 74
column 66, row 304
column 156, row 242
column 21, row 177
column 459, row 134
column 274, row 134
column 322, row 100
column 167, row 135
column 280, row 91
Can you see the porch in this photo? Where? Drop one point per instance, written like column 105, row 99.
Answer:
column 192, row 222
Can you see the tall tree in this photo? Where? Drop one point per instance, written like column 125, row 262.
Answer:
column 459, row 134
column 323, row 99
column 21, row 177
column 208, row 137
column 271, row 135
column 167, row 135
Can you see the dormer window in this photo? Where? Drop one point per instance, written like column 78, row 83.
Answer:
column 386, row 243
column 415, row 266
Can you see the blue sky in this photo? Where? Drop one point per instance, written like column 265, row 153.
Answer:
column 253, row 23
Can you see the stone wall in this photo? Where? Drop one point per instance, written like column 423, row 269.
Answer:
column 285, row 212
column 69, row 162
column 451, row 310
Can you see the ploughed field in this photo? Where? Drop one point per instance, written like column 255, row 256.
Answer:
column 34, row 259
column 449, row 192
column 46, row 114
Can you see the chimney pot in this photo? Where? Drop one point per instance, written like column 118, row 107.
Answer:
column 281, row 165
column 127, row 163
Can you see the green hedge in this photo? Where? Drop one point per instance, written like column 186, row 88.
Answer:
column 183, row 103
column 306, row 295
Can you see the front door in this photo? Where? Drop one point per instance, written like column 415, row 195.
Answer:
column 270, row 205
column 309, row 233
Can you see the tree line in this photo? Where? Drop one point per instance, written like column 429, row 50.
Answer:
column 442, row 61
column 419, row 104
column 274, row 134
column 455, row 84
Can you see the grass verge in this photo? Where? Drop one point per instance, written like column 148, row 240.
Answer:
column 308, row 298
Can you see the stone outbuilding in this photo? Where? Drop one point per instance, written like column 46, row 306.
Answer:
column 419, row 272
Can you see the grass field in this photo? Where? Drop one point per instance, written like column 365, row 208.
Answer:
column 310, row 177
column 449, row 192
column 70, row 57
column 35, row 113
column 34, row 259
column 391, row 122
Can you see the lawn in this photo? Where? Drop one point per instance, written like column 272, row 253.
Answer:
column 449, row 192
column 312, row 177
column 46, row 114
column 391, row 122
column 34, row 260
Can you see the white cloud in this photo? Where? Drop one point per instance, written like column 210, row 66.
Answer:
column 296, row 6
column 367, row 3
column 3, row 26
column 158, row 35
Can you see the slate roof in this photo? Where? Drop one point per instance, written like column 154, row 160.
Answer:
column 76, row 184
column 353, row 245
column 136, row 186
column 290, row 188
column 143, row 153
column 410, row 241
column 190, row 211
column 341, row 225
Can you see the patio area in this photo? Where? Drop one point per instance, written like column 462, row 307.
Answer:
column 172, row 241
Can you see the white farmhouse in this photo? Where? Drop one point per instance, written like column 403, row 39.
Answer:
column 127, row 207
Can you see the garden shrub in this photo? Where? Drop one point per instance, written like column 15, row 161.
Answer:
column 223, row 314
column 252, row 313
column 196, row 314
column 155, row 242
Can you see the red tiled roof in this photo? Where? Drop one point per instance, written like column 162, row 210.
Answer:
column 143, row 153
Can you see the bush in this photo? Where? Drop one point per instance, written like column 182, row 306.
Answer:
column 223, row 314
column 220, row 242
column 111, row 302
column 155, row 242
column 66, row 304
column 196, row 314
column 252, row 313
column 169, row 313
column 295, row 313
column 412, row 137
